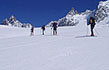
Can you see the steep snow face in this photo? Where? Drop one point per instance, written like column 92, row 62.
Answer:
column 102, row 11
column 68, row 20
column 5, row 22
column 15, row 23
column 105, row 21
column 87, row 12
column 104, row 3
column 72, row 12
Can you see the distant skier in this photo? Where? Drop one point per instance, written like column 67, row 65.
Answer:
column 92, row 25
column 43, row 29
column 32, row 31
column 54, row 25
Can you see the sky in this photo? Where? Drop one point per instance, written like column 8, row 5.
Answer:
column 41, row 12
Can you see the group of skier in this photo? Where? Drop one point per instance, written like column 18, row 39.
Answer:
column 54, row 26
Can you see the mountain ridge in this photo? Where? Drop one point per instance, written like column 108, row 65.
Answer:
column 100, row 14
column 15, row 23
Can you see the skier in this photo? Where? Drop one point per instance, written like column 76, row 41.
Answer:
column 92, row 24
column 43, row 29
column 54, row 25
column 32, row 31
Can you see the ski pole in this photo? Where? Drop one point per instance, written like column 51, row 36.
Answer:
column 51, row 30
column 40, row 31
column 87, row 30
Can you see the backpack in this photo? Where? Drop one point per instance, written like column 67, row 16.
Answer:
column 92, row 21
column 55, row 25
column 43, row 27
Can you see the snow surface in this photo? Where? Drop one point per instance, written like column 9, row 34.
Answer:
column 71, row 49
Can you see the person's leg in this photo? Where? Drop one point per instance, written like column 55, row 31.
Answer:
column 92, row 32
column 53, row 31
column 56, row 31
column 92, row 27
column 43, row 32
column 32, row 33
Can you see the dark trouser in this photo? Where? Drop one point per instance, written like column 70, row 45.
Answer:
column 32, row 33
column 54, row 31
column 43, row 32
column 92, row 27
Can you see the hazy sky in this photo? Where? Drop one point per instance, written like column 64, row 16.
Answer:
column 40, row 12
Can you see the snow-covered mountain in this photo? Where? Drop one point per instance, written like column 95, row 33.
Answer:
column 15, row 23
column 72, row 18
column 69, row 19
column 5, row 22
column 102, row 12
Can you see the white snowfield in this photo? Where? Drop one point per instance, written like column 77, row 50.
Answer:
column 71, row 49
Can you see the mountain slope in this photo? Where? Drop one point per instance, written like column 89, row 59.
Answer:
column 68, row 20
column 102, row 11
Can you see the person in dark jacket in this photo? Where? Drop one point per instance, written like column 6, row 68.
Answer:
column 92, row 25
column 32, row 31
column 54, row 25
column 43, row 29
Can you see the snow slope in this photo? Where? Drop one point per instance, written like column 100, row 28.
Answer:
column 71, row 49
